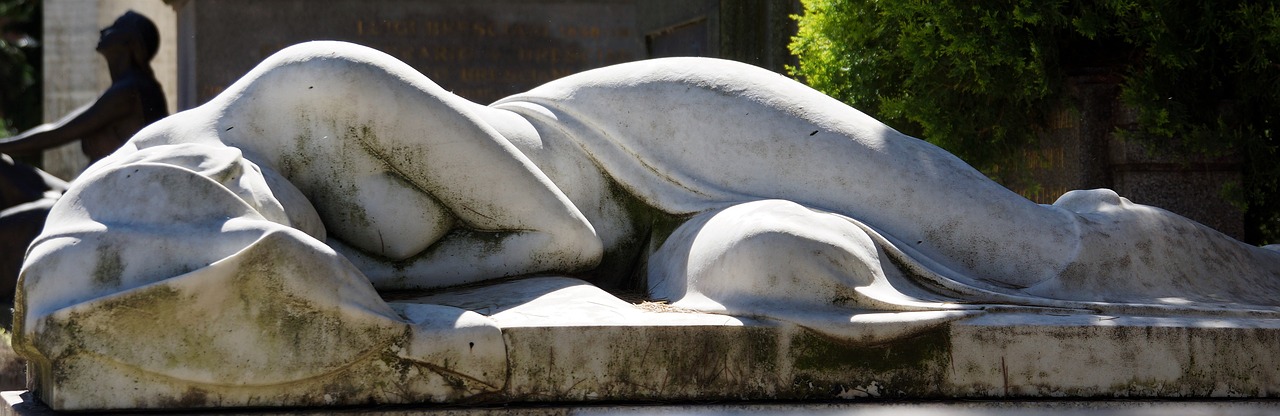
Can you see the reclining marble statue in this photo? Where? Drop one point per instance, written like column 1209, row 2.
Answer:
column 278, row 211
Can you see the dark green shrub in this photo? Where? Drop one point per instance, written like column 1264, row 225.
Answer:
column 978, row 77
column 20, row 59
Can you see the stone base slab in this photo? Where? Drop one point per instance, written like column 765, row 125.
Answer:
column 615, row 352
column 569, row 342
column 995, row 356
column 19, row 403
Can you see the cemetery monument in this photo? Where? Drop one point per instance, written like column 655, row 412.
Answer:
column 806, row 250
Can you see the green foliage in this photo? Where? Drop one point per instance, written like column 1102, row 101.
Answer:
column 20, row 95
column 976, row 77
column 927, row 66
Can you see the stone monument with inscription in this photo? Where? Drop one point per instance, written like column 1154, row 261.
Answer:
column 480, row 50
column 363, row 235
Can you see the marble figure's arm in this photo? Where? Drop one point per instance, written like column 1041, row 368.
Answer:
column 364, row 120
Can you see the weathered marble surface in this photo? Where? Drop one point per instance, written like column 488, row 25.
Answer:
column 277, row 212
column 571, row 343
column 568, row 341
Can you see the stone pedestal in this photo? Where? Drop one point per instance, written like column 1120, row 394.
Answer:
column 618, row 351
column 571, row 342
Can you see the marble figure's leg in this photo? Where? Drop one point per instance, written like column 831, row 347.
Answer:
column 780, row 260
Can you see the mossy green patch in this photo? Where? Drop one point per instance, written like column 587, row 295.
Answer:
column 624, row 266
column 913, row 367
column 107, row 273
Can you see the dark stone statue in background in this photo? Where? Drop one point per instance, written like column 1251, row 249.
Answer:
column 133, row 101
